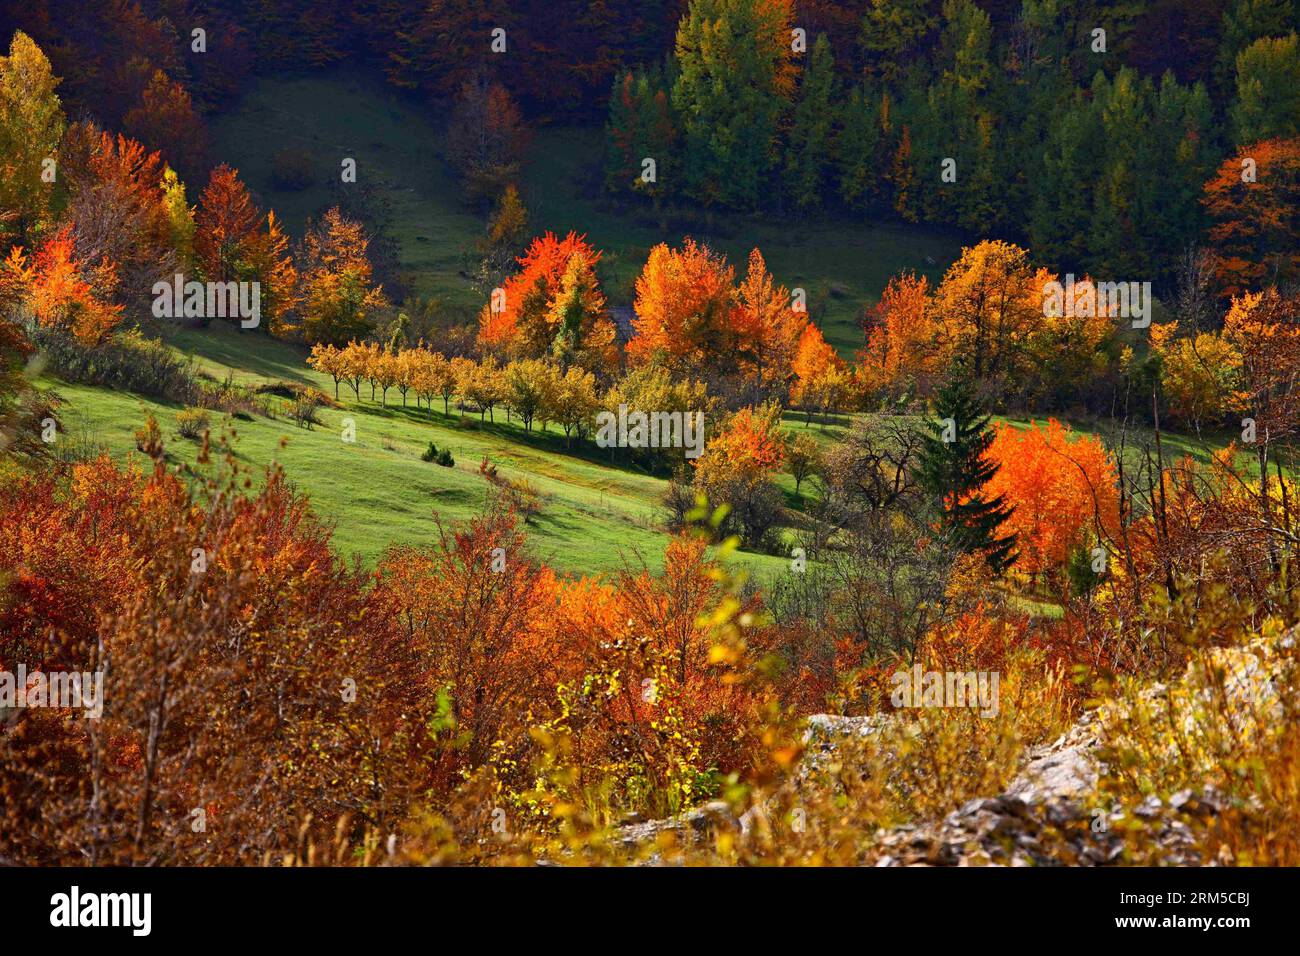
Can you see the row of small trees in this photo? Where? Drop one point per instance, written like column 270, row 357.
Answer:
column 530, row 389
column 539, row 390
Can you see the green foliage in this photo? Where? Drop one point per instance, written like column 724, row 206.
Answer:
column 809, row 139
column 1078, row 570
column 1268, row 90
column 856, row 148
column 953, row 470
column 1244, row 22
column 892, row 32
column 730, row 92
column 1117, row 203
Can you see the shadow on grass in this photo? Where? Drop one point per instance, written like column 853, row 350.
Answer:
column 246, row 352
column 549, row 442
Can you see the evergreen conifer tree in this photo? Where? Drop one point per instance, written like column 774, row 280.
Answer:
column 954, row 470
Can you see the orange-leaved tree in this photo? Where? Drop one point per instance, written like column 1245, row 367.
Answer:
column 767, row 328
column 339, row 297
column 902, row 347
column 1253, row 203
column 552, row 305
column 683, row 310
column 736, row 470
column 989, row 301
column 822, row 378
column 64, row 293
column 1063, row 487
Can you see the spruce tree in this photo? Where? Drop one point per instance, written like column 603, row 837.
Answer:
column 808, row 149
column 856, row 146
column 953, row 469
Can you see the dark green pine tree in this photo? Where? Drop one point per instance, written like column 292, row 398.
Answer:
column 953, row 469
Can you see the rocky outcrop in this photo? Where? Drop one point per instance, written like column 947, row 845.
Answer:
column 701, row 824
column 1050, row 813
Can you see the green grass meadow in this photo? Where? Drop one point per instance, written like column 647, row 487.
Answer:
column 595, row 517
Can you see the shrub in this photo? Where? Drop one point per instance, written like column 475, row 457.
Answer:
column 192, row 422
column 127, row 362
column 239, row 666
column 303, row 409
column 445, row 459
column 148, row 437
column 430, row 453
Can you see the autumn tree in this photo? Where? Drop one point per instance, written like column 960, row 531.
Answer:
column 903, row 336
column 31, row 126
column 339, row 300
column 822, row 381
column 482, row 384
column 683, row 309
column 355, row 361
column 471, row 605
column 504, row 236
column 988, row 303
column 234, row 242
column 271, row 265
column 189, row 721
column 802, row 459
column 1200, row 374
column 572, row 403
column 657, row 704
column 180, row 217
column 1264, row 329
column 329, row 360
column 530, row 387
column 1070, row 354
column 584, row 334
column 552, row 306
column 653, row 388
column 387, row 372
column 1060, row 489
column 736, row 469
column 165, row 118
column 1254, row 206
column 224, row 225
column 767, row 329
column 442, row 378
column 487, row 137
column 64, row 292
column 117, row 207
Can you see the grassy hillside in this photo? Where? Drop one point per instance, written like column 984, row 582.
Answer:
column 594, row 517
column 377, row 491
column 396, row 142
